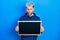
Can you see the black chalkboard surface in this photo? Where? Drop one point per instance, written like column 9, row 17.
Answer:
column 29, row 27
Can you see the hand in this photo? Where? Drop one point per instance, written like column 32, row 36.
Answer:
column 41, row 29
column 17, row 28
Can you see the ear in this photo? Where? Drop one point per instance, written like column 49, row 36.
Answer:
column 33, row 9
column 26, row 7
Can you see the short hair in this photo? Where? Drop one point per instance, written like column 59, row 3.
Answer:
column 30, row 4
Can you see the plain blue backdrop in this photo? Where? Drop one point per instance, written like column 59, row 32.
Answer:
column 47, row 10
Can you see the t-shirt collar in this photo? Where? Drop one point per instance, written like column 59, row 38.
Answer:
column 31, row 14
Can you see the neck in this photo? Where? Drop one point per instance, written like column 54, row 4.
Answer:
column 29, row 14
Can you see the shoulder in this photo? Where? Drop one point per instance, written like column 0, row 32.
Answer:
column 37, row 17
column 23, row 17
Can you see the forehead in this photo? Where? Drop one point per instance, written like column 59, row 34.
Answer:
column 29, row 7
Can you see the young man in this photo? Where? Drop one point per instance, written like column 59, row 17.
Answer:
column 29, row 15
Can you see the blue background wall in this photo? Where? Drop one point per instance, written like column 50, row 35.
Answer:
column 12, row 10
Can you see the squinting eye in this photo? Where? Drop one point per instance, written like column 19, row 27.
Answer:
column 29, row 9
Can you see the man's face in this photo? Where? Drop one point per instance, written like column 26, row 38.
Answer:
column 29, row 9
